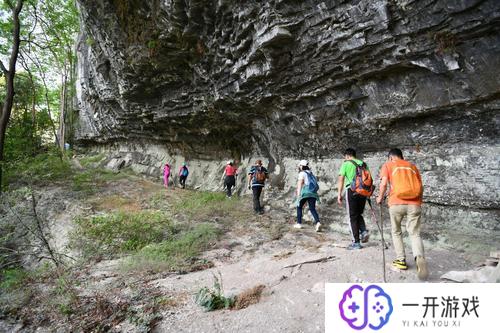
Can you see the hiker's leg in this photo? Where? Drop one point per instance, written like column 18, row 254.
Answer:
column 299, row 210
column 397, row 212
column 312, row 209
column 230, row 185
column 259, row 192
column 353, row 211
column 361, row 221
column 227, row 186
column 413, row 227
column 256, row 190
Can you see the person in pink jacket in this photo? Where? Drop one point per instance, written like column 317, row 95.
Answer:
column 166, row 174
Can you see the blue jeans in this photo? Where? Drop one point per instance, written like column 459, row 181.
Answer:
column 312, row 209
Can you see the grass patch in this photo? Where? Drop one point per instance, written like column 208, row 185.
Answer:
column 116, row 203
column 201, row 206
column 13, row 278
column 16, row 287
column 109, row 235
column 196, row 202
column 88, row 161
column 89, row 180
column 41, row 169
column 178, row 253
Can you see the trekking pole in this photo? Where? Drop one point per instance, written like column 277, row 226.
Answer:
column 380, row 228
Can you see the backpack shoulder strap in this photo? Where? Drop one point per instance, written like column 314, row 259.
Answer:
column 356, row 164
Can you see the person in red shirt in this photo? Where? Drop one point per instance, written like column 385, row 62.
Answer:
column 405, row 199
column 230, row 173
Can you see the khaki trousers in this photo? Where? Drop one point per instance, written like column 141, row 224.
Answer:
column 413, row 214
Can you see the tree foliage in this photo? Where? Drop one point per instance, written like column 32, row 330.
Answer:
column 44, row 82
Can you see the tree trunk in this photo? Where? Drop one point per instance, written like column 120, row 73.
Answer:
column 9, row 78
column 62, row 113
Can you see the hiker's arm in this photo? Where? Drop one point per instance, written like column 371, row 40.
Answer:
column 420, row 178
column 249, row 180
column 382, row 189
column 300, row 182
column 340, row 187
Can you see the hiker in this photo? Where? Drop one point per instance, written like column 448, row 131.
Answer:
column 405, row 199
column 230, row 173
column 166, row 174
column 307, row 191
column 355, row 202
column 183, row 174
column 256, row 179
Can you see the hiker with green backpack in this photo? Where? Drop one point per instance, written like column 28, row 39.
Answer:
column 307, row 191
column 256, row 180
column 356, row 182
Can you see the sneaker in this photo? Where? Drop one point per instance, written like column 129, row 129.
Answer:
column 354, row 246
column 422, row 271
column 365, row 235
column 298, row 226
column 400, row 264
column 318, row 227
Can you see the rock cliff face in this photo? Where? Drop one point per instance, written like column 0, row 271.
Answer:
column 288, row 79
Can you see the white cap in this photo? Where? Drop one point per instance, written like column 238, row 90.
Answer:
column 303, row 163
column 229, row 162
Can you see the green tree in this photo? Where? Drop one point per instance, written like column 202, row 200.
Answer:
column 9, row 73
column 46, row 53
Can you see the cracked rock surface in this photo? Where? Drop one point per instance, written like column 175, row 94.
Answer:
column 285, row 79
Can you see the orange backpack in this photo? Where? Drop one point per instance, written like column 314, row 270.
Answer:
column 362, row 183
column 405, row 181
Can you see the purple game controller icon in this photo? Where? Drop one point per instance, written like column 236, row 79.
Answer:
column 371, row 306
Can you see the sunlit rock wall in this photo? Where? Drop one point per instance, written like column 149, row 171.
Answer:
column 211, row 80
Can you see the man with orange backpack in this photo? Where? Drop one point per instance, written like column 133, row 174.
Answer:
column 405, row 199
column 356, row 177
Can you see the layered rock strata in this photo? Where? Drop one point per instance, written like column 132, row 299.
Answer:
column 208, row 80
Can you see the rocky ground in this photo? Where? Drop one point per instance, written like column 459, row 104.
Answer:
column 253, row 251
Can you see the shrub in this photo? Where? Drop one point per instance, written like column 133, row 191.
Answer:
column 121, row 232
column 178, row 253
column 13, row 278
column 214, row 299
column 41, row 169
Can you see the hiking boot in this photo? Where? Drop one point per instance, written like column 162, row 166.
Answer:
column 318, row 227
column 364, row 236
column 298, row 226
column 354, row 246
column 422, row 270
column 400, row 264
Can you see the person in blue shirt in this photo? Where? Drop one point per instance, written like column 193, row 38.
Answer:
column 183, row 174
column 256, row 180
